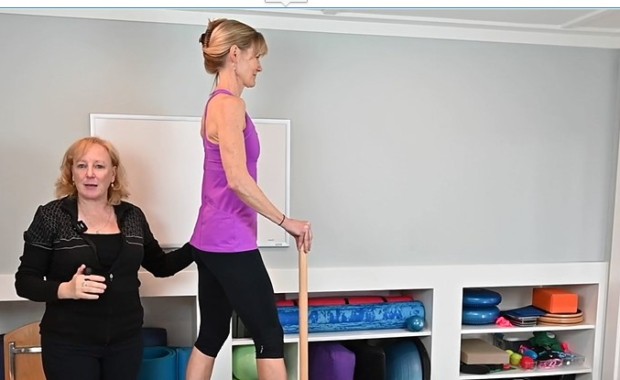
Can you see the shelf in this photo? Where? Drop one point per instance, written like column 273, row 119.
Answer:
column 529, row 373
column 486, row 329
column 343, row 335
column 442, row 301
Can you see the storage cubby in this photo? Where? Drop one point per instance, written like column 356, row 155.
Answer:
column 176, row 314
column 581, row 338
column 292, row 340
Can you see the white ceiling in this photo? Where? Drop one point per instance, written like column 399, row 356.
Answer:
column 581, row 27
column 588, row 21
column 586, row 27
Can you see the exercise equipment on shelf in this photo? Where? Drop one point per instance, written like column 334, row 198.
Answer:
column 244, row 363
column 480, row 306
column 387, row 314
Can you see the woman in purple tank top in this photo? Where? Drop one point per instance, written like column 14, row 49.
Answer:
column 231, row 272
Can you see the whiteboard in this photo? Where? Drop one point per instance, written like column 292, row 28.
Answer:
column 163, row 157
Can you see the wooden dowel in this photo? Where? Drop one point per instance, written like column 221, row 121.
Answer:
column 303, row 315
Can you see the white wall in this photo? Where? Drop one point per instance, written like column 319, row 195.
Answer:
column 404, row 151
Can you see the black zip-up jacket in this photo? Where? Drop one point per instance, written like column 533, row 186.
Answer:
column 54, row 248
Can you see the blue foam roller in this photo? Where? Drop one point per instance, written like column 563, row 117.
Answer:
column 158, row 363
column 403, row 361
column 351, row 317
column 330, row 360
column 183, row 354
column 480, row 315
column 480, row 297
column 154, row 336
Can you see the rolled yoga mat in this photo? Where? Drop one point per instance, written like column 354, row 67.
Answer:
column 158, row 363
column 183, row 354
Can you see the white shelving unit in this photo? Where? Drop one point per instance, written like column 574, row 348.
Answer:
column 580, row 338
column 520, row 373
column 439, row 287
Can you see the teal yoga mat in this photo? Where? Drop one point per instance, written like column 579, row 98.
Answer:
column 183, row 354
column 158, row 363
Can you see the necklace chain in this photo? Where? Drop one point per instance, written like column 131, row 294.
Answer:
column 98, row 229
column 106, row 223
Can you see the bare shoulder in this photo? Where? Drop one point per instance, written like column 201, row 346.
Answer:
column 228, row 104
column 227, row 112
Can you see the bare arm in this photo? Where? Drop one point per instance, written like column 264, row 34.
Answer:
column 225, row 124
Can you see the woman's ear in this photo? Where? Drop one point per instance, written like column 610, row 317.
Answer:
column 233, row 52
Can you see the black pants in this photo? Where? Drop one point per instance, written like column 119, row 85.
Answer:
column 69, row 361
column 240, row 282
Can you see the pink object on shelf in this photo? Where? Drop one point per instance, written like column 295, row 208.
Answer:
column 503, row 322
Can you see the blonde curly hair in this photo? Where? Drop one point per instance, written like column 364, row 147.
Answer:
column 65, row 185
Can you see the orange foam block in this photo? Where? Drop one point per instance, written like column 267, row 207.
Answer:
column 554, row 300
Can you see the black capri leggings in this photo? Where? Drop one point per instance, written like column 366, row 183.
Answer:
column 240, row 282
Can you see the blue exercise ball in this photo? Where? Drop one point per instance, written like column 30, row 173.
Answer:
column 415, row 323
column 403, row 361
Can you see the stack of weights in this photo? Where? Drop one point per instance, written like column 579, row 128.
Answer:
column 480, row 306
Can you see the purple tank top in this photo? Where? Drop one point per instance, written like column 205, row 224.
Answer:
column 225, row 223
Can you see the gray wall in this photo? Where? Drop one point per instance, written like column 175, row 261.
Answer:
column 404, row 151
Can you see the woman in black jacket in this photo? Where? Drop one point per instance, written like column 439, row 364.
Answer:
column 81, row 257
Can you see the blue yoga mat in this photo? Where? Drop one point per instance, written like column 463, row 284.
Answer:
column 183, row 354
column 351, row 317
column 158, row 363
